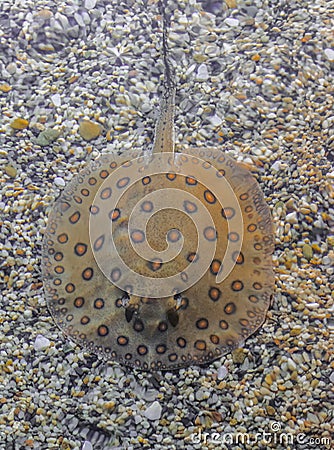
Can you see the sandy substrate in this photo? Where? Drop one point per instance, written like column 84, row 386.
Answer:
column 256, row 80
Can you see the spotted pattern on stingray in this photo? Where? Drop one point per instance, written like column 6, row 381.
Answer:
column 208, row 320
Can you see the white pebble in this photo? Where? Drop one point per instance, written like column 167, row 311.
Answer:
column 222, row 372
column 292, row 217
column 56, row 100
column 153, row 412
column 216, row 120
column 276, row 166
column 59, row 181
column 329, row 54
column 331, row 377
column 202, row 73
column 232, row 22
column 90, row 4
column 41, row 342
column 87, row 446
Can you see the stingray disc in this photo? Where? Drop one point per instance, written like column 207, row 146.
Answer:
column 160, row 261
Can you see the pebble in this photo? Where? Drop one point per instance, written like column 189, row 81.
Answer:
column 222, row 372
column 329, row 52
column 41, row 343
column 47, row 136
column 202, row 72
column 153, row 412
column 19, row 124
column 56, row 99
column 59, row 181
column 331, row 377
column 87, row 446
column 232, row 22
column 89, row 130
column 90, row 4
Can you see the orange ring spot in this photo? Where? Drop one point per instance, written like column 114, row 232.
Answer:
column 230, row 308
column 84, row 320
column 62, row 238
column 200, row 345
column 202, row 324
column 171, row 176
column 79, row 302
column 80, row 249
column 237, row 285
column 99, row 303
column 146, row 180
column 214, row 339
column 209, row 197
column 210, row 233
column 122, row 340
column 103, row 330
column 223, row 325
column 214, row 294
column 142, row 350
column 105, row 193
column 228, row 213
column 251, row 227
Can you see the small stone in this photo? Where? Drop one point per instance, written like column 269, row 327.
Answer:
column 153, row 412
column 41, row 343
column 331, row 377
column 307, row 251
column 231, row 3
column 270, row 410
column 87, row 446
column 5, row 87
column 56, row 99
column 216, row 121
column 19, row 124
column 329, row 53
column 90, row 4
column 11, row 171
column 238, row 356
column 59, row 181
column 292, row 218
column 89, row 130
column 222, row 372
column 202, row 73
column 276, row 166
column 232, row 22
column 47, row 136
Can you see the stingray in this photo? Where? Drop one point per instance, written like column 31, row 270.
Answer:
column 158, row 259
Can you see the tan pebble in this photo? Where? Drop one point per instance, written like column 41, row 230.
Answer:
column 239, row 356
column 295, row 331
column 10, row 171
column 270, row 410
column 19, row 124
column 109, row 405
column 268, row 379
column 5, row 87
column 231, row 3
column 89, row 130
column 307, row 251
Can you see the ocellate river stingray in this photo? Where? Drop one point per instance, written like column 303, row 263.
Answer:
column 168, row 310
